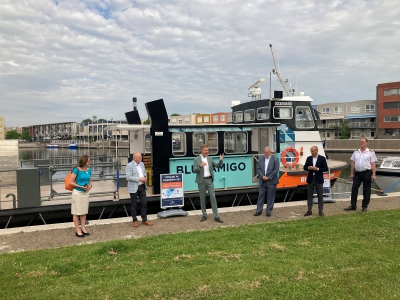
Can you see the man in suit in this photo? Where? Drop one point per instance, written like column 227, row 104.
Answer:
column 136, row 177
column 315, row 165
column 267, row 170
column 203, row 167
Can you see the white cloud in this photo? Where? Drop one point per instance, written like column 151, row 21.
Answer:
column 69, row 60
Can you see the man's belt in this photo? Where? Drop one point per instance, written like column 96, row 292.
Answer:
column 207, row 177
column 358, row 172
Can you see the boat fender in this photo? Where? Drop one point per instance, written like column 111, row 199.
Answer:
column 296, row 157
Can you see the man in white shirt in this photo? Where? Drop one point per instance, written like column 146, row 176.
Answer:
column 203, row 167
column 136, row 177
column 363, row 170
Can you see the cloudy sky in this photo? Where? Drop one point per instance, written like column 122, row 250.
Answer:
column 69, row 60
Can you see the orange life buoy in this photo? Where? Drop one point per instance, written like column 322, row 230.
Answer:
column 294, row 159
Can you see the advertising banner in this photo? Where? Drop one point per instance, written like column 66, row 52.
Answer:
column 171, row 190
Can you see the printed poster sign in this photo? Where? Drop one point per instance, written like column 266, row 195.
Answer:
column 171, row 190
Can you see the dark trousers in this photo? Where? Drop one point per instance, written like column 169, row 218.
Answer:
column 270, row 191
column 366, row 179
column 319, row 187
column 141, row 194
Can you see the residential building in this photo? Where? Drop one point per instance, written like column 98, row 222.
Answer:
column 388, row 96
column 221, row 117
column 360, row 117
column 186, row 119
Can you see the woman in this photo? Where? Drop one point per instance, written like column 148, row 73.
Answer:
column 82, row 184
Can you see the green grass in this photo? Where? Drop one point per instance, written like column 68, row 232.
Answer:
column 352, row 256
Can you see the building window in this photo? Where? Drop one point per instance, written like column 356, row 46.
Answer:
column 208, row 138
column 249, row 115
column 237, row 117
column 389, row 92
column 215, row 118
column 370, row 108
column 263, row 113
column 356, row 134
column 355, row 109
column 199, row 120
column 325, row 110
column 283, row 112
column 223, row 118
column 235, row 142
column 391, row 105
column 391, row 119
column 338, row 111
column 338, row 134
column 206, row 119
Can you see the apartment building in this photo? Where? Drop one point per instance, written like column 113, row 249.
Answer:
column 388, row 96
column 360, row 117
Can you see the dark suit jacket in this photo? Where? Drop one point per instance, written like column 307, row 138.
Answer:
column 272, row 170
column 321, row 164
column 200, row 171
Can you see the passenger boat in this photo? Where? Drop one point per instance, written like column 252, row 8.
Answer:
column 388, row 175
column 287, row 124
column 73, row 146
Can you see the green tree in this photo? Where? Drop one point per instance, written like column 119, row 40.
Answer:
column 345, row 131
column 175, row 114
column 86, row 121
column 101, row 121
column 147, row 122
column 12, row 135
column 25, row 136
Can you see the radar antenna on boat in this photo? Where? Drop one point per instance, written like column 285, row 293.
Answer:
column 289, row 91
column 255, row 91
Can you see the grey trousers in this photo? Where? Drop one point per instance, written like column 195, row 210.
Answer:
column 319, row 189
column 270, row 191
column 208, row 185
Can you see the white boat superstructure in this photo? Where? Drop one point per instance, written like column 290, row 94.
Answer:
column 388, row 175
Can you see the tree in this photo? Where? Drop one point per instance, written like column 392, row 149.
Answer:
column 175, row 114
column 345, row 131
column 102, row 121
column 25, row 136
column 86, row 121
column 147, row 122
column 12, row 135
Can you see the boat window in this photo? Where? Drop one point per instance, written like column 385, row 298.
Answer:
column 304, row 118
column 147, row 143
column 237, row 117
column 387, row 163
column 235, row 142
column 263, row 113
column 249, row 115
column 205, row 138
column 283, row 112
column 178, row 144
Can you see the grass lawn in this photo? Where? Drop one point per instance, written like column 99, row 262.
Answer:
column 351, row 256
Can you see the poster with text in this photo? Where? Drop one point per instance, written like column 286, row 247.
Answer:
column 171, row 190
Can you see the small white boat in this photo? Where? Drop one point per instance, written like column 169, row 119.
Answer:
column 73, row 146
column 52, row 146
column 388, row 175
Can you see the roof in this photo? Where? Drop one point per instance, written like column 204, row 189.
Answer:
column 361, row 116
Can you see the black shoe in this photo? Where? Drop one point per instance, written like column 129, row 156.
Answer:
column 203, row 219
column 85, row 233
column 80, row 235
column 321, row 214
column 218, row 220
column 350, row 208
column 257, row 214
column 268, row 215
column 308, row 213
column 364, row 209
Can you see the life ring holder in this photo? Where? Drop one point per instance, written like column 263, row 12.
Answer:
column 296, row 157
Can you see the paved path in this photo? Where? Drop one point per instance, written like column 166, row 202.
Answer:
column 60, row 235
